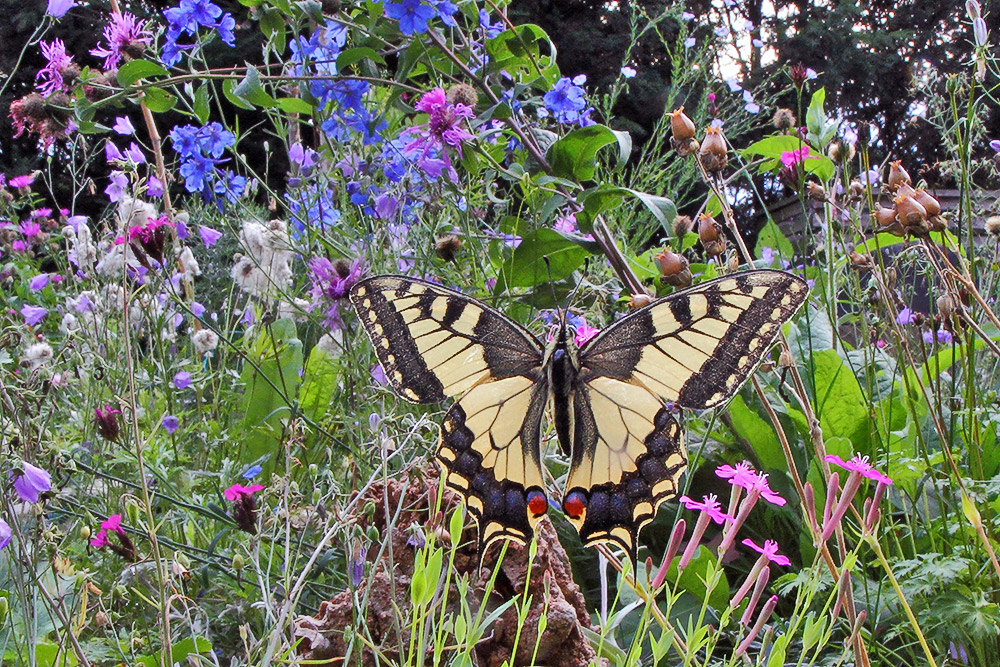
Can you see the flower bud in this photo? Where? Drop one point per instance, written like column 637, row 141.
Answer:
column 714, row 154
column 446, row 247
column 639, row 301
column 4, row 610
column 783, row 119
column 674, row 268
column 239, row 562
column 101, row 620
column 711, row 236
column 973, row 9
column 799, row 75
column 897, row 175
column 463, row 93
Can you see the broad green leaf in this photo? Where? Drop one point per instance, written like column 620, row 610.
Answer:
column 770, row 236
column 319, row 383
column 352, row 56
column 575, row 155
column 201, row 108
column 596, row 201
column 295, row 105
column 526, row 53
column 758, row 432
column 277, row 352
column 663, row 209
column 773, row 147
column 249, row 89
column 158, row 100
column 134, row 70
column 272, row 24
column 228, row 86
column 179, row 652
column 840, row 403
column 528, row 268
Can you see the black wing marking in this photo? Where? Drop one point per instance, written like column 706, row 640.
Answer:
column 696, row 348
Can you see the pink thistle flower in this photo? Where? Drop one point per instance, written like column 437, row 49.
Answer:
column 769, row 552
column 51, row 75
column 125, row 37
column 859, row 464
column 710, row 505
column 22, row 181
column 443, row 129
column 31, row 229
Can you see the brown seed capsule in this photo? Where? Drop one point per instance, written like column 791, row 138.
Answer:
column 909, row 211
column 815, row 191
column 856, row 191
column 446, row 247
column 885, row 219
column 785, row 359
column 674, row 268
column 638, row 301
column 463, row 93
column 783, row 119
column 946, row 305
column 897, row 175
column 993, row 225
column 681, row 127
column 861, row 260
column 711, row 236
column 714, row 154
column 930, row 204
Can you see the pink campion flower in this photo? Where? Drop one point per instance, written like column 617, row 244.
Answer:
column 710, row 510
column 769, row 552
column 584, row 333
column 742, row 474
column 859, row 464
column 113, row 525
column 51, row 76
column 244, row 505
column 791, row 158
column 761, row 484
column 125, row 37
column 31, row 482
column 710, row 505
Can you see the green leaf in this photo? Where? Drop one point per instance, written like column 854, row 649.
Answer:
column 815, row 116
column 758, row 432
column 774, row 147
column 249, row 89
column 840, row 402
column 575, row 155
column 179, row 652
column 295, row 105
column 527, row 267
column 277, row 352
column 227, row 89
column 526, row 53
column 158, row 100
column 134, row 70
column 596, row 201
column 663, row 209
column 771, row 236
column 272, row 24
column 352, row 56
column 201, row 108
column 319, row 383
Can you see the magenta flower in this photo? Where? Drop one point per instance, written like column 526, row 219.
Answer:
column 23, row 181
column 742, row 474
column 125, row 36
column 761, row 484
column 113, row 524
column 107, row 423
column 31, row 482
column 331, row 281
column 443, row 129
column 710, row 505
column 51, row 76
column 244, row 505
column 791, row 158
column 33, row 314
column 769, row 551
column 236, row 491
column 859, row 464
column 584, row 334
column 31, row 228
column 5, row 534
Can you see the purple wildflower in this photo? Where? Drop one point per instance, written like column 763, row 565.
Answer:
column 859, row 464
column 209, row 236
column 330, row 283
column 442, row 130
column 5, row 534
column 123, row 126
column 33, row 314
column 769, row 551
column 182, row 380
column 39, row 282
column 51, row 76
column 171, row 424
column 906, row 316
column 31, row 482
column 125, row 37
column 57, row 9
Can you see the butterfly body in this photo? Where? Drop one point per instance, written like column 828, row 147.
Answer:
column 611, row 401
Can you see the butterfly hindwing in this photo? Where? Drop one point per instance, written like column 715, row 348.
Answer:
column 628, row 454
column 433, row 342
column 696, row 348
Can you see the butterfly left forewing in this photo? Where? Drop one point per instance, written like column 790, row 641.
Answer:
column 627, row 457
column 432, row 343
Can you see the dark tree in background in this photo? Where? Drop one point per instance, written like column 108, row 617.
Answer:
column 876, row 59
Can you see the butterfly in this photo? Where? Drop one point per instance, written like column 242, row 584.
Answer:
column 611, row 401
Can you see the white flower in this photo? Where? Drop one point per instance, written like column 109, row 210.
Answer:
column 189, row 265
column 205, row 341
column 36, row 356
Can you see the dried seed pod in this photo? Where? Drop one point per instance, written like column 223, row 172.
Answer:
column 815, row 191
column 446, row 247
column 946, row 305
column 674, row 268
column 684, row 224
column 711, row 236
column 856, row 191
column 783, row 119
column 860, row 260
column 681, row 127
column 463, row 93
column 714, row 154
column 897, row 175
column 638, row 301
column 930, row 204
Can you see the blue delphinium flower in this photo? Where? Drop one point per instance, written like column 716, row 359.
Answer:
column 186, row 19
column 201, row 150
column 567, row 102
column 412, row 15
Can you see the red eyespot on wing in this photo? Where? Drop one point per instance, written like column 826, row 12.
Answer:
column 575, row 504
column 537, row 504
